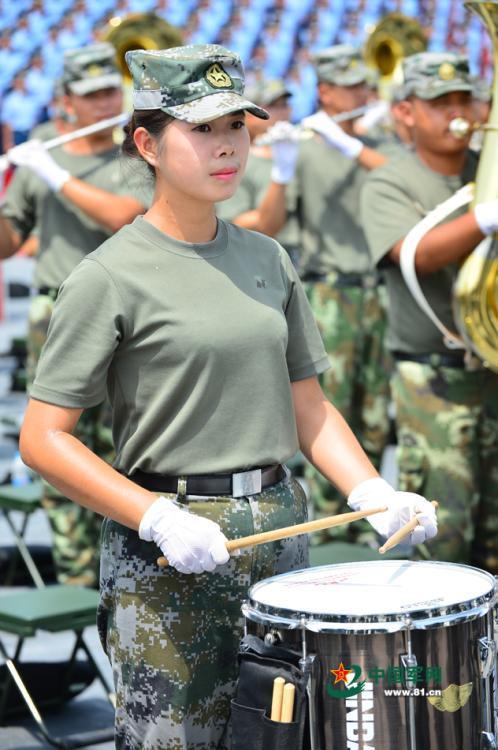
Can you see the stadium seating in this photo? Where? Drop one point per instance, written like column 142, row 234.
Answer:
column 268, row 34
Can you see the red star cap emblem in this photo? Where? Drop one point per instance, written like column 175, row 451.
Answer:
column 341, row 674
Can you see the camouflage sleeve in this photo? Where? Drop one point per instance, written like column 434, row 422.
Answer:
column 306, row 355
column 87, row 325
column 20, row 205
column 387, row 211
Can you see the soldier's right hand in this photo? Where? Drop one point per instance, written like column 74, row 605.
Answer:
column 486, row 216
column 333, row 134
column 33, row 155
column 191, row 543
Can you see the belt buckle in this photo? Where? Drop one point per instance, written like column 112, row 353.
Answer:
column 369, row 282
column 246, row 483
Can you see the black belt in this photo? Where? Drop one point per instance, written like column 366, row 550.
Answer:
column 239, row 484
column 435, row 359
column 342, row 280
column 49, row 291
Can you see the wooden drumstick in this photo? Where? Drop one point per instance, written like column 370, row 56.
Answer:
column 277, row 698
column 288, row 703
column 403, row 532
column 287, row 531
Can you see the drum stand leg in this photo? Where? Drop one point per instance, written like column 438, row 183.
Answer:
column 410, row 660
column 306, row 663
column 487, row 659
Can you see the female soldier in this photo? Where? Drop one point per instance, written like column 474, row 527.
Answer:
column 203, row 337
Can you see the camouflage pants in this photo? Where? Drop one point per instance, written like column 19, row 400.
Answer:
column 75, row 530
column 352, row 322
column 447, row 422
column 172, row 639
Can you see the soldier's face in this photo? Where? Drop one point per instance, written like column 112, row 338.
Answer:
column 335, row 99
column 93, row 107
column 429, row 120
column 204, row 162
column 278, row 110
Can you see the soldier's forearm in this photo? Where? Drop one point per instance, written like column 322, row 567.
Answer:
column 445, row 244
column 10, row 241
column 370, row 159
column 109, row 210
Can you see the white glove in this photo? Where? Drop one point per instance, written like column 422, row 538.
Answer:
column 486, row 215
column 285, row 150
column 191, row 543
column 33, row 156
column 401, row 508
column 333, row 134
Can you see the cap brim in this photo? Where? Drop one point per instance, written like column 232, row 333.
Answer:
column 280, row 95
column 343, row 79
column 215, row 105
column 446, row 87
column 88, row 85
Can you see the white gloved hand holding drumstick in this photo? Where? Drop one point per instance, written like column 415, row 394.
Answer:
column 401, row 508
column 191, row 543
column 34, row 156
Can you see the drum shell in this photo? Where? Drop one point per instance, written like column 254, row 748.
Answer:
column 385, row 725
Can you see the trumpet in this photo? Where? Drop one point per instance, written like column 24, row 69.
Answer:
column 60, row 140
column 460, row 127
column 300, row 132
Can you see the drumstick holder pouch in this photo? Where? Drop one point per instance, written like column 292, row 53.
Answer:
column 252, row 727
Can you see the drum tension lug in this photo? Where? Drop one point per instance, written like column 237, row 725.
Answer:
column 488, row 741
column 487, row 655
column 272, row 638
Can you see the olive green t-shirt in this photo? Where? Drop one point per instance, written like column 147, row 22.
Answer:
column 66, row 233
column 328, row 188
column 196, row 345
column 250, row 193
column 394, row 199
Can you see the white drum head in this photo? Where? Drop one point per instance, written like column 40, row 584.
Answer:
column 377, row 591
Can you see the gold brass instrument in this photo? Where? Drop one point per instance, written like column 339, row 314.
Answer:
column 396, row 36
column 476, row 287
column 139, row 31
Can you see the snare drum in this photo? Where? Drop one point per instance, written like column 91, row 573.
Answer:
column 400, row 655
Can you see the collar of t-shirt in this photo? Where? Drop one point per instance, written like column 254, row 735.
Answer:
column 194, row 250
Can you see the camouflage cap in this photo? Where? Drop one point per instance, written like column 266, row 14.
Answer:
column 266, row 92
column 90, row 69
column 428, row 75
column 341, row 65
column 196, row 83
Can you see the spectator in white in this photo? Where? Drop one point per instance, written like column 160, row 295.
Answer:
column 20, row 113
column 52, row 53
column 22, row 39
column 38, row 21
column 11, row 61
column 38, row 84
column 69, row 37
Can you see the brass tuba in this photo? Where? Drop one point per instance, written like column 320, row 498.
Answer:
column 139, row 31
column 395, row 36
column 476, row 286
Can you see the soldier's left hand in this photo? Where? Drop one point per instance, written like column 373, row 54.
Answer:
column 401, row 508
column 33, row 155
column 486, row 215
